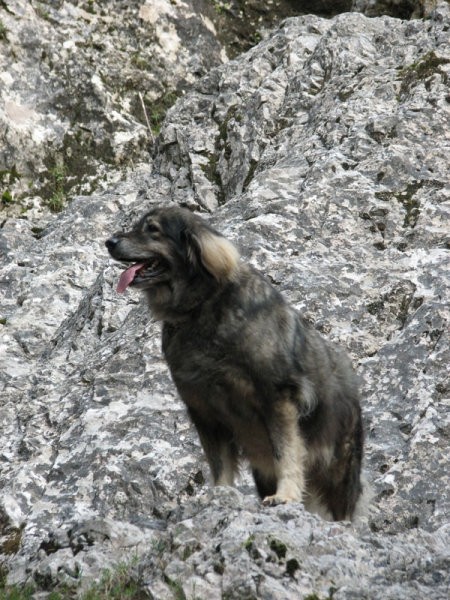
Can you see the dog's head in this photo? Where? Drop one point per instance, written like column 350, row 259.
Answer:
column 178, row 260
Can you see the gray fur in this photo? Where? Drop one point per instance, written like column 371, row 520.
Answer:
column 256, row 379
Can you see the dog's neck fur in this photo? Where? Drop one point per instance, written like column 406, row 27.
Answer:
column 182, row 306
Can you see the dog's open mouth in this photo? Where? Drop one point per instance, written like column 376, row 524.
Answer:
column 140, row 272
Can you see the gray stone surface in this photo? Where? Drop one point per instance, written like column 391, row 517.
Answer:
column 85, row 85
column 402, row 9
column 74, row 76
column 324, row 154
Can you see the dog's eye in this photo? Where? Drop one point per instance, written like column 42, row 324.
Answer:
column 151, row 228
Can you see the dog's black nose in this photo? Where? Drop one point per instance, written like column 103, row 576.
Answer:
column 112, row 242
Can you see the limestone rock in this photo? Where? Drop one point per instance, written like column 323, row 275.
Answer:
column 74, row 79
column 402, row 9
column 84, row 85
column 323, row 153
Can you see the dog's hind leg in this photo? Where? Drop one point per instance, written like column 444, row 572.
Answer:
column 224, row 464
column 266, row 484
column 289, row 454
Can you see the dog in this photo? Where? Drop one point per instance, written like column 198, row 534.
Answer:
column 257, row 380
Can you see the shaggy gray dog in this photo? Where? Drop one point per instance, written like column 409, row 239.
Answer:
column 257, row 381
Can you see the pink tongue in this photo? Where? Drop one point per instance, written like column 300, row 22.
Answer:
column 127, row 277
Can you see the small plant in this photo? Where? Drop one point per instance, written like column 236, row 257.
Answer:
column 15, row 592
column 7, row 197
column 278, row 547
column 139, row 61
column 90, row 7
column 221, row 7
column 3, row 31
column 117, row 584
column 56, row 202
column 248, row 544
column 177, row 589
column 421, row 70
column 41, row 12
column 7, row 178
column 58, row 197
column 159, row 108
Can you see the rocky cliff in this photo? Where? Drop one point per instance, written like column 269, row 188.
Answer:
column 323, row 152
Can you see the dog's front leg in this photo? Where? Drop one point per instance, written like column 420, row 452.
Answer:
column 289, row 454
column 219, row 447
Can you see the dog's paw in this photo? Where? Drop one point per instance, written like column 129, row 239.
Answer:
column 277, row 499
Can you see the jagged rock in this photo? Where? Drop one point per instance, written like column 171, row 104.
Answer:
column 82, row 82
column 323, row 154
column 402, row 9
column 73, row 78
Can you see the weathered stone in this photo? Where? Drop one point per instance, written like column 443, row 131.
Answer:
column 402, row 9
column 323, row 154
column 74, row 79
column 84, row 86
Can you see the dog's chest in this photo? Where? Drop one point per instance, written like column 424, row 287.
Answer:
column 197, row 349
column 210, row 373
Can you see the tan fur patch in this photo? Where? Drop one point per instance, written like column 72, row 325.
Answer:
column 226, row 478
column 229, row 467
column 320, row 456
column 290, row 467
column 219, row 256
column 308, row 396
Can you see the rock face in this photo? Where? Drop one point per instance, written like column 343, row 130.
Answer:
column 84, row 87
column 323, row 153
column 79, row 116
column 402, row 9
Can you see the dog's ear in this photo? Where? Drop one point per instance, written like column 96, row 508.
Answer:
column 218, row 256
